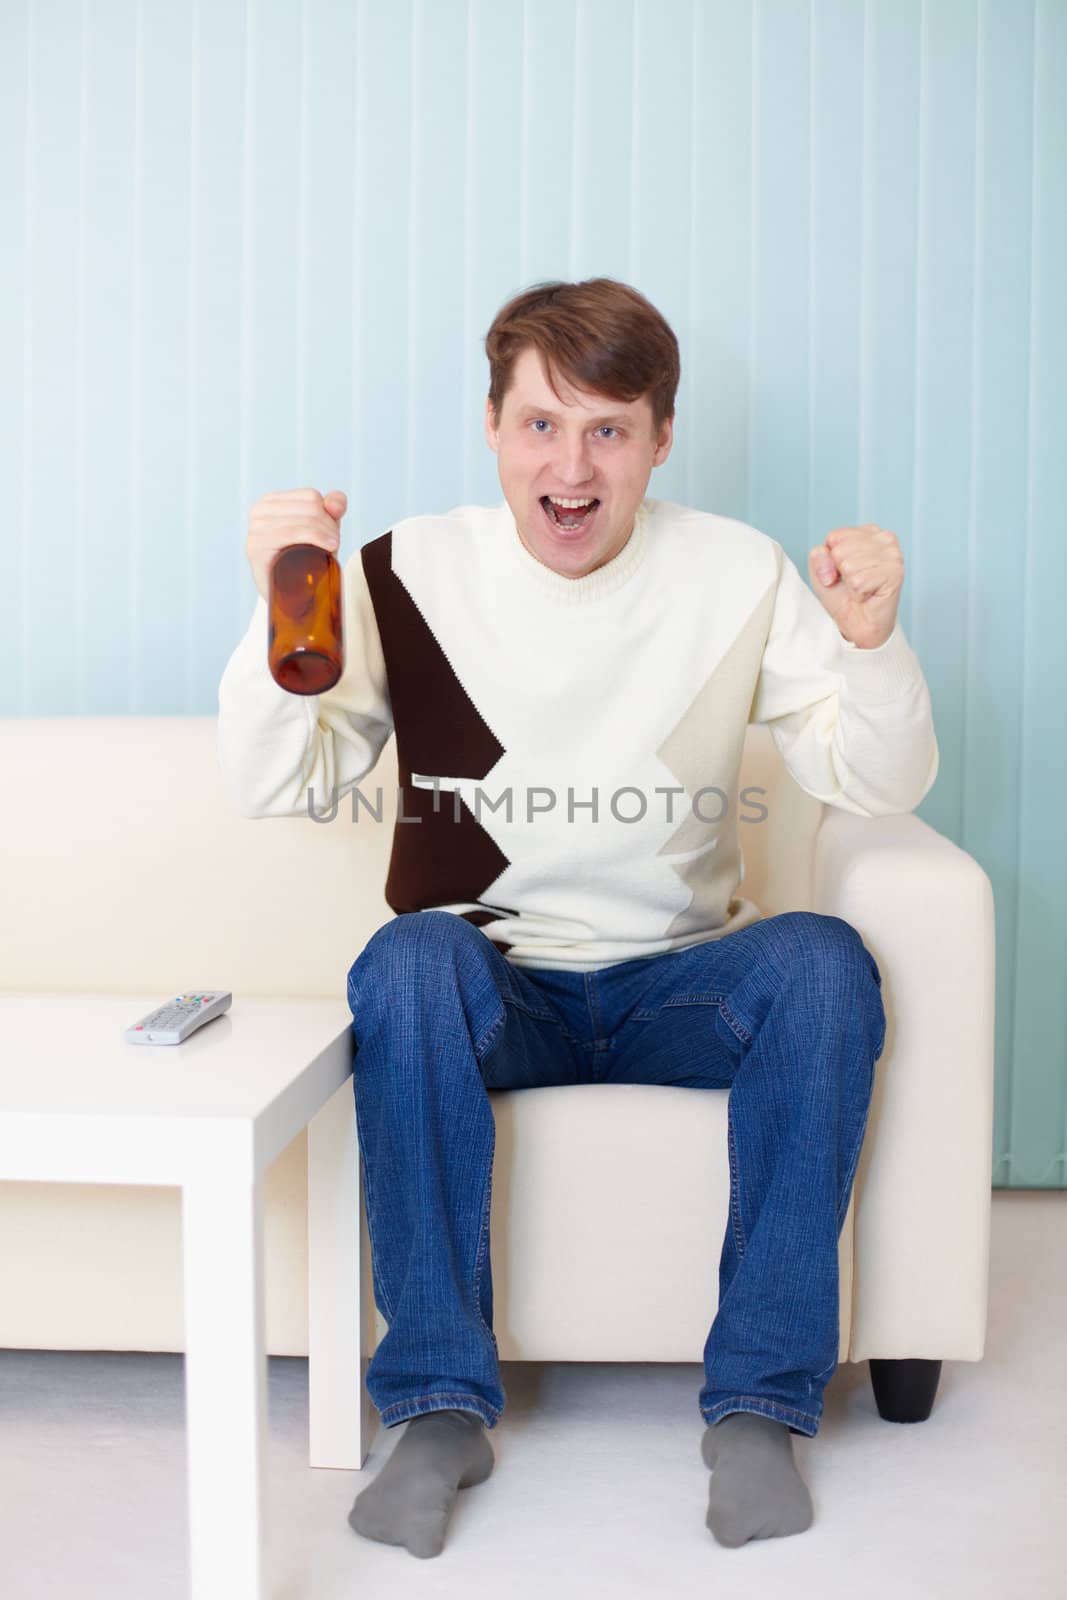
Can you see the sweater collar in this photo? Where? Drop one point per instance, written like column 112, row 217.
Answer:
column 593, row 586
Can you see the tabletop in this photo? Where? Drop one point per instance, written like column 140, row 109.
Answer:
column 66, row 1053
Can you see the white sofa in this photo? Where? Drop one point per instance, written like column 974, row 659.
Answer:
column 125, row 868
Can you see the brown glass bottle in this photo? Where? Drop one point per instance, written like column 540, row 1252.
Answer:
column 306, row 643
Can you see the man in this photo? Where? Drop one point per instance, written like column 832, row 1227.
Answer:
column 570, row 676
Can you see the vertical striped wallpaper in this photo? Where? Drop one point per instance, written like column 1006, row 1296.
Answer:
column 253, row 246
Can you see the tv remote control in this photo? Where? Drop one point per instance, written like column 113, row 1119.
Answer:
column 176, row 1019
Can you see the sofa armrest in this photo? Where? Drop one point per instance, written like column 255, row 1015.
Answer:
column 923, row 1190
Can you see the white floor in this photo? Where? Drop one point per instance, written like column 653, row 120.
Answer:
column 598, row 1476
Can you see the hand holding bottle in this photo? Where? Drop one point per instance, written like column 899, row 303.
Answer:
column 293, row 516
column 292, row 537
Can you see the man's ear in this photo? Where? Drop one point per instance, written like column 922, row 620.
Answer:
column 664, row 442
column 491, row 430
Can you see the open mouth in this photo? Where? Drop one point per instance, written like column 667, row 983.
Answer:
column 572, row 516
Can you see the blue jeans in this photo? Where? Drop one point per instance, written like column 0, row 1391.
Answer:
column 786, row 1014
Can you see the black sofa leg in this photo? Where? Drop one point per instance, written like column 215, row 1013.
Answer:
column 904, row 1390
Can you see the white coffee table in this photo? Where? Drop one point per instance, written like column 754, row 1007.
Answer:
column 80, row 1105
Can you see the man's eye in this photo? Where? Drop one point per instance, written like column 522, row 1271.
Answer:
column 538, row 420
column 608, row 428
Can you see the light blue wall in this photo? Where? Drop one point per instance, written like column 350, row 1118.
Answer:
column 257, row 247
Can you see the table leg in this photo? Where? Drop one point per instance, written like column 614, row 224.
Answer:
column 340, row 1299
column 225, row 1386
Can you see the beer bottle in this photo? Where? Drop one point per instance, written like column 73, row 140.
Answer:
column 306, row 645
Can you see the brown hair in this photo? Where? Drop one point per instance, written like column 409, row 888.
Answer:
column 601, row 335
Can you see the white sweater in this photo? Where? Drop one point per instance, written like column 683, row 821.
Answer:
column 522, row 700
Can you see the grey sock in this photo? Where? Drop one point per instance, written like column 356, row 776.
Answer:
column 411, row 1499
column 756, row 1491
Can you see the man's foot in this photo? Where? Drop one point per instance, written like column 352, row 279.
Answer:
column 756, row 1491
column 411, row 1499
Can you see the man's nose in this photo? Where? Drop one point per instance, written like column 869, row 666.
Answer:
column 573, row 461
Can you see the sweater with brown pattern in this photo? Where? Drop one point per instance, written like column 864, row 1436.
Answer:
column 568, row 749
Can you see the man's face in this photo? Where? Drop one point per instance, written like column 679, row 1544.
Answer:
column 582, row 447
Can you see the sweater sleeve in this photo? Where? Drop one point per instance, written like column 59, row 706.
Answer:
column 284, row 754
column 853, row 726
